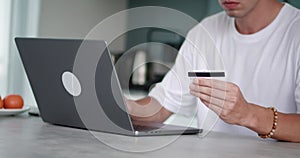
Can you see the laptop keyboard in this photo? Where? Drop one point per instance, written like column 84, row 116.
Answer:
column 144, row 128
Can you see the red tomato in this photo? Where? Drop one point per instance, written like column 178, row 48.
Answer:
column 1, row 103
column 13, row 102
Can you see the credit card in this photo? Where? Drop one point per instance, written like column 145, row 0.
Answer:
column 206, row 74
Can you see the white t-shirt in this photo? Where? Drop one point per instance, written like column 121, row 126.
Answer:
column 265, row 65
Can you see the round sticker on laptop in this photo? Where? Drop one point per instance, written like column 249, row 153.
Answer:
column 71, row 83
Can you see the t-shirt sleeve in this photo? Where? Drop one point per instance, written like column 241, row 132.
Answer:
column 173, row 92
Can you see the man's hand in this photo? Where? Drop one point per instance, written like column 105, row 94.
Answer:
column 147, row 109
column 223, row 98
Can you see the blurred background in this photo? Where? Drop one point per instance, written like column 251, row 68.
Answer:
column 74, row 19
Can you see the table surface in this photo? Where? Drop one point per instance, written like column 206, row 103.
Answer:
column 28, row 136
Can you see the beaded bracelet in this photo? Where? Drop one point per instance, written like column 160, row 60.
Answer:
column 275, row 122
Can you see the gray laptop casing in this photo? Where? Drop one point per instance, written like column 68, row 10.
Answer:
column 45, row 60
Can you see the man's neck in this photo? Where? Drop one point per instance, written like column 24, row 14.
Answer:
column 259, row 18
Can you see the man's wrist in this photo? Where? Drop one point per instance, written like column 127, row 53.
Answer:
column 258, row 119
column 250, row 120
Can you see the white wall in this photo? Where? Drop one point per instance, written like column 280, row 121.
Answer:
column 75, row 18
column 4, row 44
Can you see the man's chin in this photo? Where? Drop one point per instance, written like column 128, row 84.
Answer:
column 233, row 14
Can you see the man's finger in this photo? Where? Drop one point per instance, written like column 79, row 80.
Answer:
column 213, row 107
column 212, row 83
column 216, row 101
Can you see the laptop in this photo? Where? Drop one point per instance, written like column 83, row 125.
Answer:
column 75, row 85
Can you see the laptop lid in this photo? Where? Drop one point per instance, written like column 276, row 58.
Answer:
column 45, row 62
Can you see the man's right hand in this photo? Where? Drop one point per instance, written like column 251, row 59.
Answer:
column 147, row 109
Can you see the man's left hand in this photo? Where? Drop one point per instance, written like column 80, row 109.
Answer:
column 224, row 98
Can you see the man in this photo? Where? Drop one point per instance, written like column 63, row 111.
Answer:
column 259, row 44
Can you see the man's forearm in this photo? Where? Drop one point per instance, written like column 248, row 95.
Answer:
column 287, row 128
